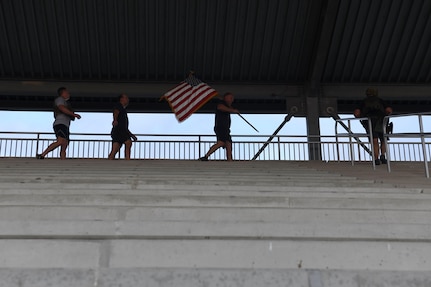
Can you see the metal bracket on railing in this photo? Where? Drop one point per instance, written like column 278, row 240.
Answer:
column 331, row 111
column 293, row 111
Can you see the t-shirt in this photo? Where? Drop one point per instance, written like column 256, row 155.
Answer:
column 123, row 120
column 60, row 117
column 222, row 119
column 373, row 106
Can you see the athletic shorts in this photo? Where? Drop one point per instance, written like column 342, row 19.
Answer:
column 223, row 135
column 61, row 131
column 119, row 136
column 375, row 125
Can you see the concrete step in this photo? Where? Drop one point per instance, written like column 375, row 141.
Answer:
column 337, row 202
column 193, row 277
column 328, row 182
column 216, row 254
column 215, row 222
column 213, row 214
column 190, row 223
column 191, row 189
column 193, row 230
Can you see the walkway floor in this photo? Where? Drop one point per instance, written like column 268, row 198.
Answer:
column 403, row 174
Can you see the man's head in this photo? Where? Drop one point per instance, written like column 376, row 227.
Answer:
column 124, row 100
column 63, row 92
column 228, row 98
column 371, row 92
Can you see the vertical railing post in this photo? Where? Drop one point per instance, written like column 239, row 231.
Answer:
column 199, row 146
column 385, row 139
column 279, row 148
column 37, row 143
column 350, row 143
column 370, row 137
column 336, row 140
column 424, row 149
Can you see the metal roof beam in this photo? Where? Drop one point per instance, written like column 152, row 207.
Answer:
column 327, row 21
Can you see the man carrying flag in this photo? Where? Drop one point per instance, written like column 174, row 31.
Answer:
column 189, row 96
column 222, row 127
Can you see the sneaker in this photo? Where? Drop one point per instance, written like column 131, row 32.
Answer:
column 383, row 159
column 39, row 156
column 377, row 161
column 204, row 158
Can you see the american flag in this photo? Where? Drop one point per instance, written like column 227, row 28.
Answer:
column 188, row 97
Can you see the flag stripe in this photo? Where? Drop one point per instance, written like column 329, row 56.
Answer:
column 189, row 96
column 196, row 92
column 171, row 95
column 187, row 104
column 197, row 106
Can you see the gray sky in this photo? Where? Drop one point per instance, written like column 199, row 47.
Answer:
column 148, row 123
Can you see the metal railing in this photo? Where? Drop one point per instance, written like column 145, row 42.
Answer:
column 413, row 147
column 367, row 146
column 421, row 134
column 191, row 147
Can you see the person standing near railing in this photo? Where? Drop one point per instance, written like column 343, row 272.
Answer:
column 120, row 132
column 63, row 114
column 222, row 127
column 375, row 109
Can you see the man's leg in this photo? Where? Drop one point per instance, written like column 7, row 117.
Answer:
column 376, row 148
column 214, row 147
column 128, row 147
column 382, row 148
column 63, row 144
column 115, row 148
column 229, row 150
column 383, row 151
column 52, row 147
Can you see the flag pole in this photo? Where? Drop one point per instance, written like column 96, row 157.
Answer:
column 247, row 122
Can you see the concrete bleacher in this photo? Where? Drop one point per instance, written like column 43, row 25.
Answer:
column 190, row 223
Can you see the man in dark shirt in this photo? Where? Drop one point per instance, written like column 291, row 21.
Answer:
column 222, row 127
column 120, row 128
column 375, row 109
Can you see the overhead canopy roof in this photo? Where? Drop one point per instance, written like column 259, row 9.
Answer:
column 269, row 53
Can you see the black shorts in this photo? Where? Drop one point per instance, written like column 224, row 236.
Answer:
column 223, row 135
column 377, row 135
column 119, row 135
column 375, row 126
column 62, row 131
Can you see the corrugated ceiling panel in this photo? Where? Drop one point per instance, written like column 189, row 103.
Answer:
column 244, row 40
column 380, row 41
column 257, row 41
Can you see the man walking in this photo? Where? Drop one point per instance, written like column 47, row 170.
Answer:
column 63, row 114
column 222, row 127
column 120, row 128
column 375, row 109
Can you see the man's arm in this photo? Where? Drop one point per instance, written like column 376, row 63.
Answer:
column 226, row 109
column 388, row 109
column 115, row 116
column 66, row 111
column 132, row 136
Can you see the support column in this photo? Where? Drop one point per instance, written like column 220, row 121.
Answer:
column 313, row 126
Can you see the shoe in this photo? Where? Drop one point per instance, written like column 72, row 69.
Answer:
column 377, row 162
column 39, row 156
column 204, row 158
column 383, row 159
